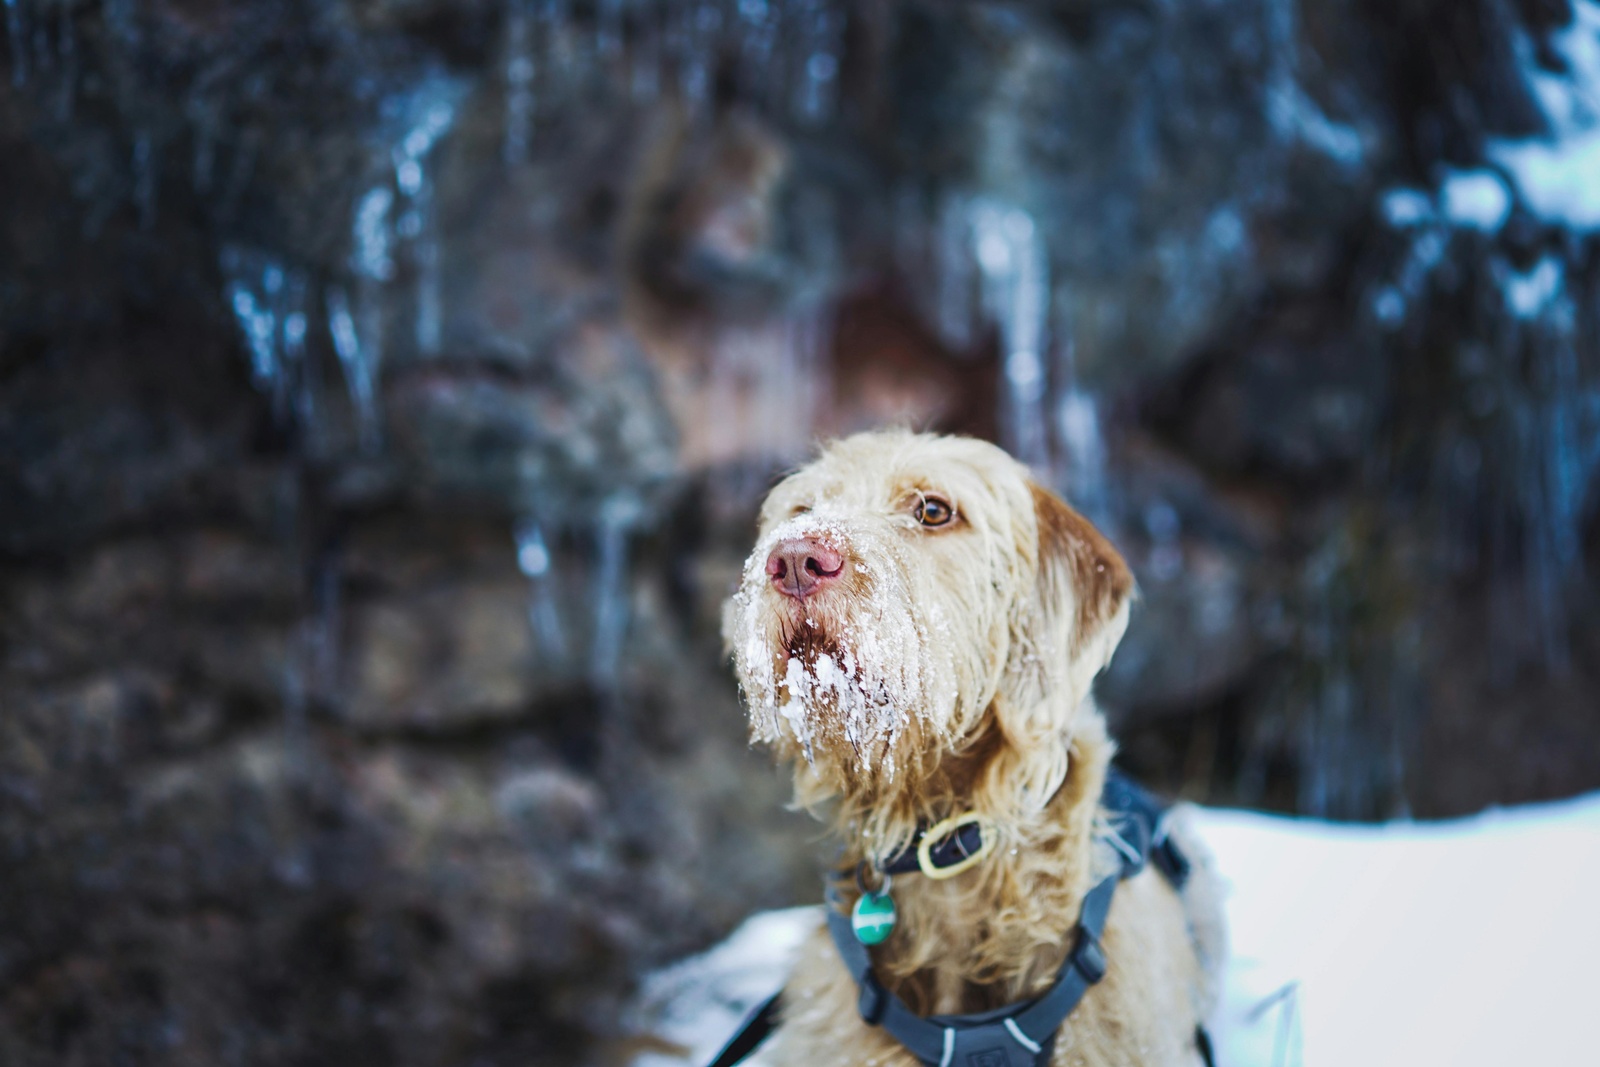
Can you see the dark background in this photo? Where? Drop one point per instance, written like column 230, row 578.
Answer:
column 386, row 388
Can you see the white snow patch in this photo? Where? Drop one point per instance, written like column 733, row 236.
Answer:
column 699, row 1003
column 1559, row 176
column 1471, row 942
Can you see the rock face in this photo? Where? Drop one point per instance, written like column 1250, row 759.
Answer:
column 386, row 389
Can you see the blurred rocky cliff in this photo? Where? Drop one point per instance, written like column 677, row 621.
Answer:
column 386, row 387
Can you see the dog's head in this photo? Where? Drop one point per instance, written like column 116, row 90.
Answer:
column 914, row 597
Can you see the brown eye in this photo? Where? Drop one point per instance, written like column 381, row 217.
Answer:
column 934, row 511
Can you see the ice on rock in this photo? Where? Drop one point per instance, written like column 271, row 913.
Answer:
column 1530, row 293
column 1555, row 174
column 816, row 33
column 619, row 514
column 518, row 74
column 536, row 563
column 1476, row 199
column 1291, row 111
column 268, row 301
column 359, row 350
column 426, row 115
column 1016, row 295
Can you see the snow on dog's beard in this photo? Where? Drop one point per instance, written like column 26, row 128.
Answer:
column 846, row 680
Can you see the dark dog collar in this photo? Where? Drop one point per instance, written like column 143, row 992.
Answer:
column 942, row 850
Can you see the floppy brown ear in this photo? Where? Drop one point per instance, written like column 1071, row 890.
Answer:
column 1078, row 566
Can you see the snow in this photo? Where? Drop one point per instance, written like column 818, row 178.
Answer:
column 1467, row 199
column 1476, row 199
column 1559, row 175
column 1464, row 943
column 699, row 1003
column 879, row 673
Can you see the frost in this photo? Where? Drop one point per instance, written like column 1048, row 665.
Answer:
column 857, row 670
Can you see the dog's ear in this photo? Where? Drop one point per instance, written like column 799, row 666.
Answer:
column 1084, row 587
column 1066, row 621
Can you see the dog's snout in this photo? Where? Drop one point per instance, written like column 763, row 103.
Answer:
column 801, row 565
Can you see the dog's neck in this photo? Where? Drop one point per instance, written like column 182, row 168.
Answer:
column 998, row 932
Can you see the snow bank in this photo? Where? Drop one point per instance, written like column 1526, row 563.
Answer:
column 1461, row 943
column 1470, row 942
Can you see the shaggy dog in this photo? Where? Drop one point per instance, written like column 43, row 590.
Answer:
column 917, row 631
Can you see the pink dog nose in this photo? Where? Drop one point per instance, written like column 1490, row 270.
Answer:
column 801, row 565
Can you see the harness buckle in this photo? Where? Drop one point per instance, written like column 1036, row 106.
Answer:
column 943, row 829
column 1088, row 957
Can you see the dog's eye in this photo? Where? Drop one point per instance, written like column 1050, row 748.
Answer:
column 798, row 510
column 934, row 511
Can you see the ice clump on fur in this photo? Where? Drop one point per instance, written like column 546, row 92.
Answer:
column 875, row 673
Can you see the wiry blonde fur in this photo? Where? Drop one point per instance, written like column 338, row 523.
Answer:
column 947, row 670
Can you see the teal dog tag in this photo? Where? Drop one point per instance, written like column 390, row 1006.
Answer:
column 873, row 918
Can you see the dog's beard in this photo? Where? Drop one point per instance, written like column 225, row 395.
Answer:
column 845, row 677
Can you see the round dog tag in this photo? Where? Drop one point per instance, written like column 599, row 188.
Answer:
column 873, row 918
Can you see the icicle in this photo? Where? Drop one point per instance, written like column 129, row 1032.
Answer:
column 608, row 30
column 17, row 34
column 1164, row 528
column 43, row 53
column 67, row 61
column 146, row 180
column 519, row 72
column 301, row 407
column 268, row 302
column 696, row 40
column 429, row 114
column 954, row 263
column 361, row 362
column 618, row 515
column 1083, row 443
column 819, row 35
column 252, row 291
column 758, row 31
column 544, row 611
column 203, row 119
column 371, row 247
column 644, row 77
column 1016, row 290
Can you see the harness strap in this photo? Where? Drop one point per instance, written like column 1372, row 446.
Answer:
column 1022, row 1032
column 757, row 1025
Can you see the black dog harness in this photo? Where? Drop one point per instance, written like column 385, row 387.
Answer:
column 1021, row 1034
